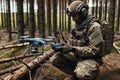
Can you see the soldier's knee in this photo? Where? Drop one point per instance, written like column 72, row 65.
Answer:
column 87, row 70
column 90, row 75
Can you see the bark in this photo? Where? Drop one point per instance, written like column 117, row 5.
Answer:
column 13, row 14
column 119, row 14
column 41, row 18
column 32, row 21
column 49, row 26
column 2, row 15
column 93, row 9
column 60, row 14
column 9, row 21
column 118, row 18
column 20, row 18
column 12, row 46
column 22, row 72
column 112, row 17
column 65, row 14
column 18, row 57
column 69, row 19
column 96, row 12
column 105, row 10
column 62, row 9
column 27, row 20
column 48, row 72
column 100, row 10
column 54, row 15
column 11, row 69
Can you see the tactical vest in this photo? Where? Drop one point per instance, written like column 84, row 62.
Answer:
column 79, row 35
column 79, row 38
column 82, row 38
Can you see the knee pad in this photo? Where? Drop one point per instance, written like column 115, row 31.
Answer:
column 92, row 75
column 87, row 69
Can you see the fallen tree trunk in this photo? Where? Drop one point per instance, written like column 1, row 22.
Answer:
column 117, row 48
column 18, row 57
column 49, row 72
column 13, row 31
column 10, row 70
column 12, row 46
column 19, row 74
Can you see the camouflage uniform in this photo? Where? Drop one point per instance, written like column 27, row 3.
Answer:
column 89, row 55
column 85, row 61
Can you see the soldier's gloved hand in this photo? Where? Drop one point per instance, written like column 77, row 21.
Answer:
column 57, row 46
column 68, row 48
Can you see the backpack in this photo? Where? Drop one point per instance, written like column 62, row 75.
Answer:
column 107, row 36
column 106, row 33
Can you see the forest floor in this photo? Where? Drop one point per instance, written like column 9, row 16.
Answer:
column 110, row 70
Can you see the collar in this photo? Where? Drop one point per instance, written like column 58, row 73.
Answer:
column 84, row 24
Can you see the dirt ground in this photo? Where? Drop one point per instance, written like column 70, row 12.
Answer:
column 4, row 38
column 110, row 70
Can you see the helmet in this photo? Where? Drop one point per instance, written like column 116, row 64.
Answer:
column 77, row 7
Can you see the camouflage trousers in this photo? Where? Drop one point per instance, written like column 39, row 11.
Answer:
column 86, row 69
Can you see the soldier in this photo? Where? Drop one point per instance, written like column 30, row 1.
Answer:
column 81, row 56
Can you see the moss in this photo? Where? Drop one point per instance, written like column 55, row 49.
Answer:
column 15, row 52
column 1, row 53
column 117, row 71
column 12, row 52
column 5, row 65
column 113, row 51
column 2, row 66
column 46, row 48
column 118, row 44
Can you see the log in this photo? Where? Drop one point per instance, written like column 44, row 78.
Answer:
column 13, row 31
column 11, row 69
column 18, row 57
column 117, row 48
column 13, row 46
column 49, row 72
column 19, row 74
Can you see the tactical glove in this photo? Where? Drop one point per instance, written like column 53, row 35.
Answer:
column 68, row 48
column 65, row 49
column 57, row 46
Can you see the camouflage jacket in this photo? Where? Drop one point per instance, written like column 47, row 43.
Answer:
column 87, row 41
